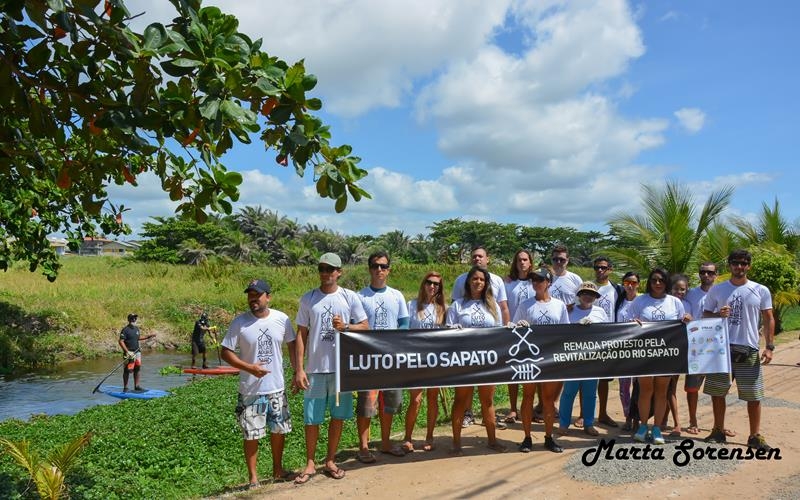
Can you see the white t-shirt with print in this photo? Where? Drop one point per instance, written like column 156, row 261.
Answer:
column 260, row 340
column 425, row 319
column 383, row 307
column 624, row 311
column 552, row 312
column 518, row 291
column 696, row 297
column 746, row 303
column 564, row 287
column 647, row 308
column 472, row 314
column 596, row 314
column 316, row 312
column 607, row 300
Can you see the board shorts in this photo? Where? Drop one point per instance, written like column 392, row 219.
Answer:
column 321, row 394
column 368, row 402
column 136, row 363
column 256, row 414
column 746, row 369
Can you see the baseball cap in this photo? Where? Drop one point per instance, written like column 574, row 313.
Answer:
column 542, row 272
column 331, row 259
column 588, row 286
column 132, row 317
column 258, row 286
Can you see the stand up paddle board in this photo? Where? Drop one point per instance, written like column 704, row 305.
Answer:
column 217, row 370
column 117, row 392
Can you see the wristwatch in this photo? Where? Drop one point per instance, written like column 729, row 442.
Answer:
column 770, row 347
column 347, row 329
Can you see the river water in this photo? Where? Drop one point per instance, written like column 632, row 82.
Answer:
column 68, row 388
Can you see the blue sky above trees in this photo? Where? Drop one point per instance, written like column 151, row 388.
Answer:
column 544, row 113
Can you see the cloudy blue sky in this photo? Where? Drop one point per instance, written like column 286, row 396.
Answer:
column 542, row 112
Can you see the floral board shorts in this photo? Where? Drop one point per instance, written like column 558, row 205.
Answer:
column 256, row 414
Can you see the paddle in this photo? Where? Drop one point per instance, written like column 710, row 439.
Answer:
column 111, row 373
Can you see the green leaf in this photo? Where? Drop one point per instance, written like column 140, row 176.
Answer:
column 341, row 204
column 56, row 5
column 209, row 108
column 294, row 75
column 38, row 56
column 309, row 82
column 154, row 36
column 266, row 87
column 314, row 104
column 233, row 178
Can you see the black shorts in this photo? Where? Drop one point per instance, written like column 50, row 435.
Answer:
column 198, row 348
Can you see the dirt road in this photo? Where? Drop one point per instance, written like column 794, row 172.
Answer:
column 483, row 473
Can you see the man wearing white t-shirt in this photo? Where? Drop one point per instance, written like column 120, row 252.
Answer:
column 743, row 303
column 262, row 403
column 610, row 297
column 565, row 283
column 322, row 312
column 386, row 309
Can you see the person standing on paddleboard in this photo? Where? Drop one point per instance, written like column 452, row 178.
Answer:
column 129, row 338
column 201, row 327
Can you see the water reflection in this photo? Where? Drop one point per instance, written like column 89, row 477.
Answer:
column 68, row 389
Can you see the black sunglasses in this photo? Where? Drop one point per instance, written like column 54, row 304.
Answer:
column 558, row 259
column 738, row 263
column 326, row 269
column 379, row 266
column 433, row 283
column 601, row 268
column 706, row 272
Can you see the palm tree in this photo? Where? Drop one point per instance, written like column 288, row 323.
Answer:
column 48, row 476
column 193, row 252
column 669, row 231
column 771, row 227
column 239, row 248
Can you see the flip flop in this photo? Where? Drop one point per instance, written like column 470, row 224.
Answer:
column 287, row 476
column 304, row 477
column 578, row 422
column 692, row 429
column 395, row 450
column 334, row 474
column 608, row 421
column 729, row 433
column 407, row 447
column 428, row 446
column 499, row 448
column 590, row 430
column 511, row 418
column 365, row 457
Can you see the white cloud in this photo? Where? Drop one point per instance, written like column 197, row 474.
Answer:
column 691, row 119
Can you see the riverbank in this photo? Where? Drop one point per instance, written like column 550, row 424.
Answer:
column 541, row 474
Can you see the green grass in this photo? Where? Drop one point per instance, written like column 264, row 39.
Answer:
column 182, row 446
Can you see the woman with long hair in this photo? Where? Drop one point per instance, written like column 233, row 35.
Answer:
column 428, row 310
column 518, row 290
column 655, row 305
column 476, row 309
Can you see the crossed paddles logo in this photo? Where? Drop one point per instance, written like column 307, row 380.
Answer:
column 524, row 355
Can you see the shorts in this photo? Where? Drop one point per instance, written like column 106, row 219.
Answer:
column 367, row 402
column 256, row 413
column 746, row 372
column 321, row 394
column 198, row 348
column 135, row 364
column 692, row 383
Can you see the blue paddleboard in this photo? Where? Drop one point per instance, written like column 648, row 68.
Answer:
column 116, row 391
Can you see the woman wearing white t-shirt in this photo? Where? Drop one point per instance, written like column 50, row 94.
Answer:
column 655, row 305
column 476, row 309
column 630, row 284
column 518, row 289
column 427, row 311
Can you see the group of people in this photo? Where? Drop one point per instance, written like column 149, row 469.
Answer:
column 528, row 295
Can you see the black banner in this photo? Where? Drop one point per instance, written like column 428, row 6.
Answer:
column 399, row 359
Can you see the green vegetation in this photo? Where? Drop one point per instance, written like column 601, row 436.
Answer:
column 185, row 445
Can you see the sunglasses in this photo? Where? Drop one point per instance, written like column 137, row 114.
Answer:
column 704, row 272
column 326, row 269
column 657, row 280
column 630, row 282
column 601, row 268
column 738, row 263
column 379, row 266
column 433, row 283
column 558, row 259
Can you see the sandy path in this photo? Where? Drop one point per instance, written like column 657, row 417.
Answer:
column 482, row 472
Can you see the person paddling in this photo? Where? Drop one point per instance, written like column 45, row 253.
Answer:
column 129, row 338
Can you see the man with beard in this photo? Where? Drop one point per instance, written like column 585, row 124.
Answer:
column 262, row 403
column 743, row 303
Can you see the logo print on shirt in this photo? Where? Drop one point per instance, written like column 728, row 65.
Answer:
column 326, row 330
column 658, row 314
column 381, row 316
column 735, row 317
column 477, row 317
column 605, row 304
column 544, row 318
column 266, row 349
column 427, row 321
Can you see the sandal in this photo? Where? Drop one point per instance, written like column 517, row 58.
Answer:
column 365, row 457
column 608, row 421
column 590, row 430
column 729, row 433
column 499, row 448
column 337, row 473
column 395, row 450
column 407, row 447
column 692, row 429
column 428, row 446
column 304, row 477
column 578, row 422
column 511, row 418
